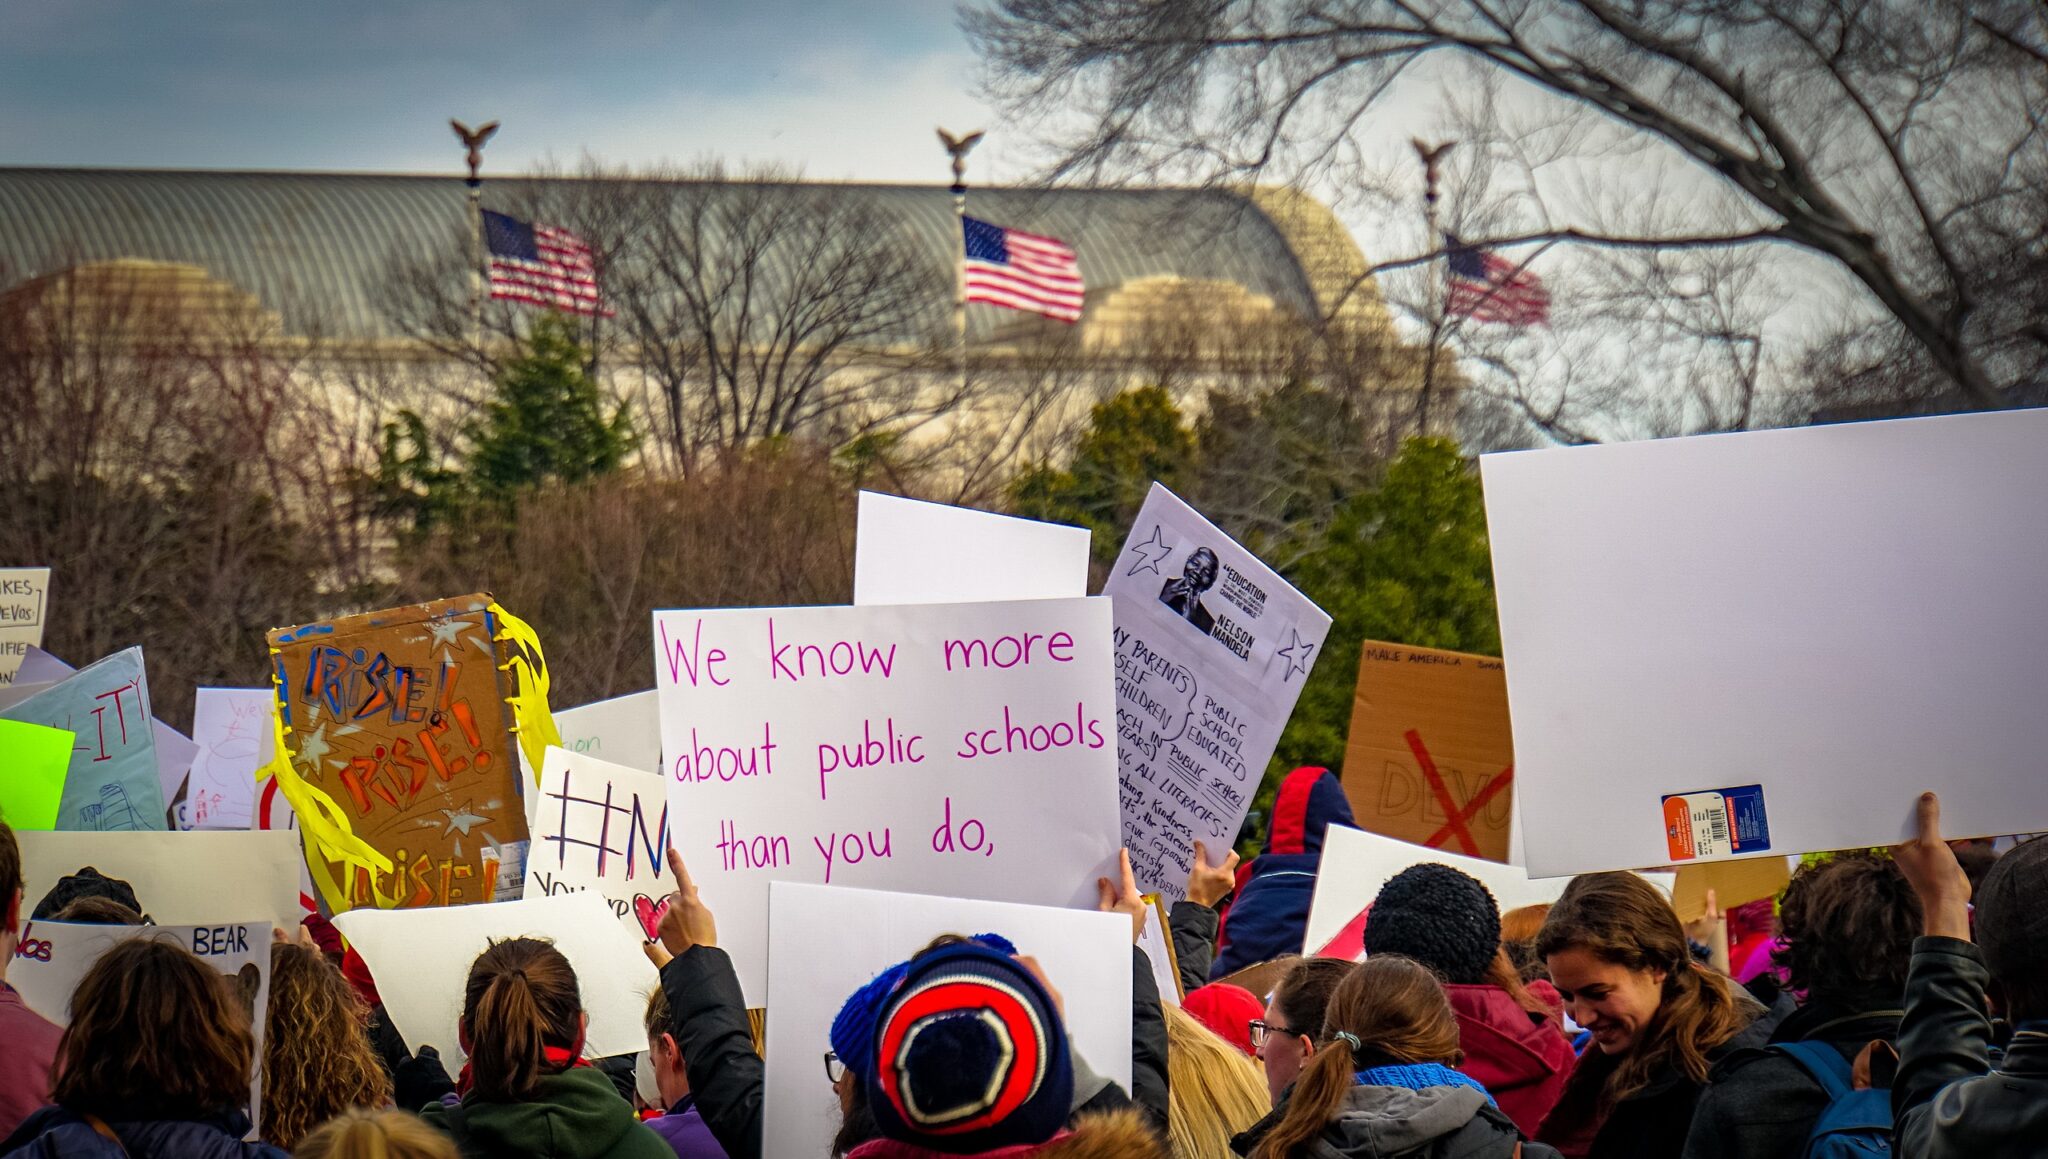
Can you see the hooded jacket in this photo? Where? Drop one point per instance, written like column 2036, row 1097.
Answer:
column 1521, row 1059
column 1384, row 1122
column 1115, row 1135
column 56, row 1133
column 1948, row 1101
column 1270, row 916
column 1761, row 1104
column 576, row 1114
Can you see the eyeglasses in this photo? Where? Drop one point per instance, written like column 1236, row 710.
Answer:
column 834, row 1069
column 1261, row 1030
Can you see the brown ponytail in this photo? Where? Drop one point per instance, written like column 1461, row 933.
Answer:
column 1622, row 919
column 521, row 999
column 1396, row 1009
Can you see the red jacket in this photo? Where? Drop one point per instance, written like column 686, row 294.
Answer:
column 1520, row 1060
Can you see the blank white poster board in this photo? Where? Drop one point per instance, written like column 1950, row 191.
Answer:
column 54, row 958
column 421, row 959
column 1770, row 643
column 603, row 827
column 1357, row 863
column 625, row 730
column 964, row 749
column 906, row 551
column 180, row 878
column 1086, row 955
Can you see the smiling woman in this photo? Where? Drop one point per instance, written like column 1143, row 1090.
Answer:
column 1619, row 958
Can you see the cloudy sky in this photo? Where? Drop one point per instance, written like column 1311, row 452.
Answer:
column 842, row 88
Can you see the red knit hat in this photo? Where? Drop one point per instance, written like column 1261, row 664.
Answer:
column 1228, row 1011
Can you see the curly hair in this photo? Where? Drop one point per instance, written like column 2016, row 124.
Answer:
column 1846, row 927
column 317, row 1059
column 155, row 1034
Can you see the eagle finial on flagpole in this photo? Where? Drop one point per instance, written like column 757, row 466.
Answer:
column 958, row 148
column 474, row 139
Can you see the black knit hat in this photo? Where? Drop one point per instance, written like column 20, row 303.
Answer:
column 2012, row 923
column 1440, row 917
column 87, row 882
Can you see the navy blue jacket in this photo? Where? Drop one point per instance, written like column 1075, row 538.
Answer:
column 55, row 1133
column 1270, row 914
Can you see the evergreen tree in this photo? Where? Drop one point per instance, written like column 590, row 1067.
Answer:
column 1132, row 439
column 546, row 420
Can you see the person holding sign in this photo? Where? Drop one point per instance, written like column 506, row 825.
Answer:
column 1660, row 1020
column 526, row 1090
column 121, row 1093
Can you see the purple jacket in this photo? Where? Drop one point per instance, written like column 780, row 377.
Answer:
column 684, row 1130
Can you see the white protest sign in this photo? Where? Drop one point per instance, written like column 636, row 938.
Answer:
column 1157, row 945
column 602, row 827
column 54, row 957
column 24, row 609
column 180, row 878
column 1086, row 956
column 1356, row 863
column 421, row 959
column 958, row 748
column 1212, row 648
column 910, row 552
column 625, row 730
column 272, row 813
column 1772, row 642
column 231, row 727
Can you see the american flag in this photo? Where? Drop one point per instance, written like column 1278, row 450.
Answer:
column 1488, row 288
column 541, row 265
column 1007, row 267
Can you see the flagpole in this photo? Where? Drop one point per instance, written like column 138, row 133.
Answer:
column 958, row 148
column 473, row 144
column 1431, row 155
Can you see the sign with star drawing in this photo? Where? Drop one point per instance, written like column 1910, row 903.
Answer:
column 399, row 720
column 1212, row 648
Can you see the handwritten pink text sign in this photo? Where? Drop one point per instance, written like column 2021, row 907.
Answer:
column 963, row 750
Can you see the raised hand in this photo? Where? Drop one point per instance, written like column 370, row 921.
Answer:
column 1123, row 896
column 1937, row 878
column 1209, row 884
column 688, row 922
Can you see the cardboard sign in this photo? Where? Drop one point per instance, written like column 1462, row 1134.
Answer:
column 1086, row 956
column 398, row 718
column 599, row 826
column 965, row 749
column 910, row 552
column 1430, row 757
column 231, row 727
column 1212, row 648
column 180, row 878
column 36, row 760
column 421, row 960
column 625, row 730
column 1733, row 883
column 112, row 783
column 1770, row 643
column 54, row 957
column 24, row 608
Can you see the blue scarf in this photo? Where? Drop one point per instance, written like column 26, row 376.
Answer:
column 1419, row 1076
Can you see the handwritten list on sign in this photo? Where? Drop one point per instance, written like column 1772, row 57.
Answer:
column 960, row 749
column 1212, row 648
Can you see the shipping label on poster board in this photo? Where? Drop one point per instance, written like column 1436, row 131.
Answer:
column 112, row 783
column 603, row 827
column 1212, row 648
column 906, row 551
column 24, row 608
column 1430, row 755
column 399, row 718
column 54, row 957
column 231, row 727
column 966, row 749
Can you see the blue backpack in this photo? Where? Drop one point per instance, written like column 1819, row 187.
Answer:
column 1856, row 1124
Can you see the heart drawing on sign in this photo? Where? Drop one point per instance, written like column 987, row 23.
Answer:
column 650, row 913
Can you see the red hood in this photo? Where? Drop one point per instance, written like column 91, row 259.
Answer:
column 1522, row 1061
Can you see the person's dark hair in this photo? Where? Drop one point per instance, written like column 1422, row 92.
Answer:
column 655, row 1020
column 87, row 882
column 1399, row 1013
column 1303, row 993
column 10, row 867
column 1976, row 858
column 2012, row 928
column 1846, row 927
column 1622, row 919
column 100, row 911
column 857, row 1126
column 154, row 1034
column 521, row 999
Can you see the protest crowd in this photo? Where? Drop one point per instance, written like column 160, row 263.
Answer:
column 1869, row 1001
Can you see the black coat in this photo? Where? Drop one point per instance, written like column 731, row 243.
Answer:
column 1760, row 1104
column 1193, row 928
column 1948, row 1102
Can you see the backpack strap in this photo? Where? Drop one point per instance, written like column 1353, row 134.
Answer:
column 1823, row 1063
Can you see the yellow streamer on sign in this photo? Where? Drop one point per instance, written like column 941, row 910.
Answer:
column 533, row 724
column 324, row 829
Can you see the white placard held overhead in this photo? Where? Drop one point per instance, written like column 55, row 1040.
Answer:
column 1086, row 955
column 180, row 878
column 24, row 609
column 1770, row 643
column 231, row 727
column 1357, row 863
column 1212, row 648
column 625, row 730
column 421, row 960
column 603, row 827
column 963, row 749
column 910, row 552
